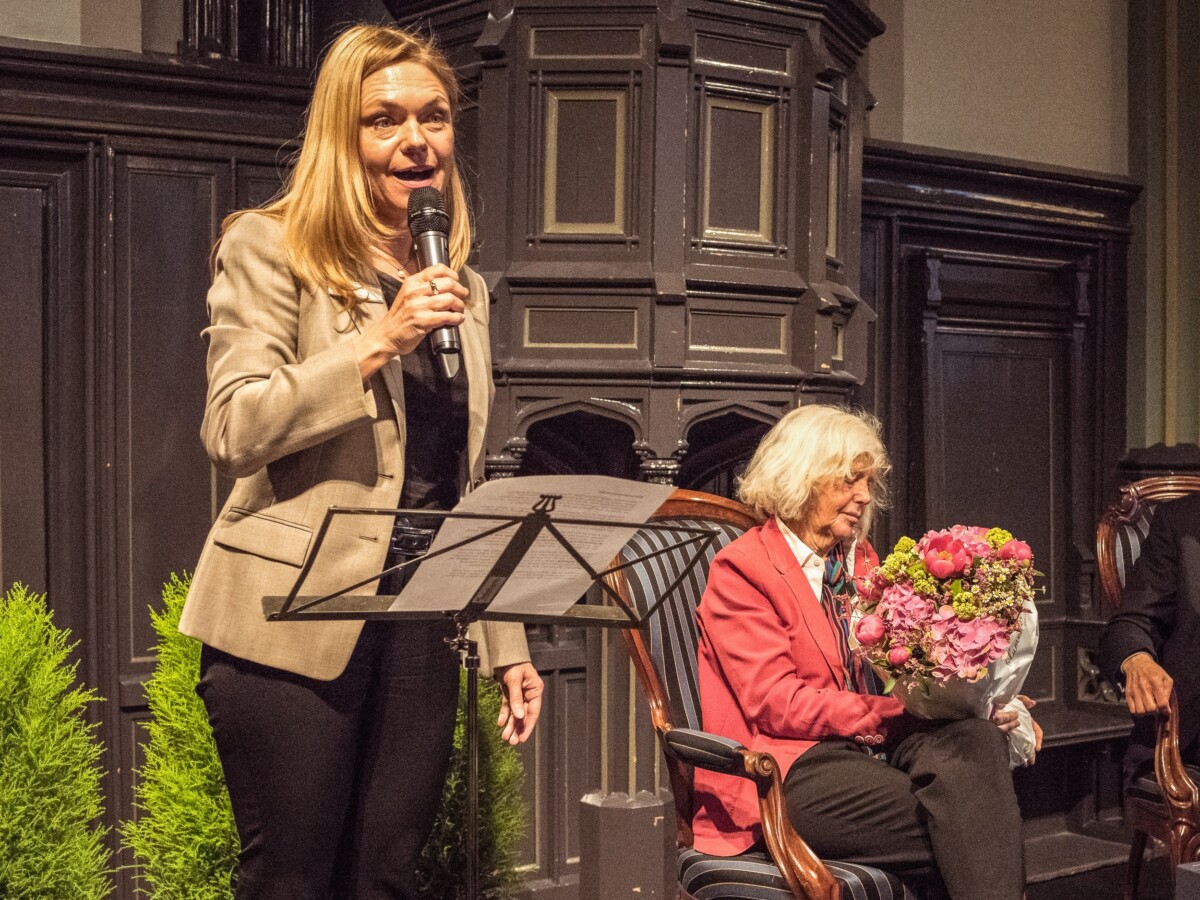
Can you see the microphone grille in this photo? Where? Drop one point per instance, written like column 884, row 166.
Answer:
column 427, row 211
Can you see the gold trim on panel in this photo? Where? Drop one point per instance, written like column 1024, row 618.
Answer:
column 766, row 165
column 550, row 202
column 604, row 711
column 576, row 345
column 721, row 348
column 631, row 724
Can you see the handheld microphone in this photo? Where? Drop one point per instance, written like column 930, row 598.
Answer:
column 430, row 226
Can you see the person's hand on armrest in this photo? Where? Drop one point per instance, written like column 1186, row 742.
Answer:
column 522, row 688
column 1147, row 685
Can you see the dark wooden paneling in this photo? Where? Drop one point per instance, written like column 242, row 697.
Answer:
column 114, row 174
column 23, row 254
column 560, row 762
column 998, row 371
column 993, row 435
column 698, row 181
column 585, row 161
column 45, row 526
column 166, row 214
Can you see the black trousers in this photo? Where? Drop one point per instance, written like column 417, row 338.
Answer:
column 943, row 805
column 336, row 784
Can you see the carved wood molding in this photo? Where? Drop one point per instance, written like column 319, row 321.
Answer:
column 929, row 179
column 121, row 93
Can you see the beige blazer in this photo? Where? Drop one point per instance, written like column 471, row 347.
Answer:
column 289, row 417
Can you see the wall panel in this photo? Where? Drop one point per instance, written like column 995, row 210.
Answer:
column 166, row 214
column 993, row 456
column 24, row 255
column 45, row 538
column 114, row 175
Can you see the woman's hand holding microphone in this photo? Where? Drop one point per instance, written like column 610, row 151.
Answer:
column 432, row 298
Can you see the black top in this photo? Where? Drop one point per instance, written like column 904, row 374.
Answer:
column 435, row 413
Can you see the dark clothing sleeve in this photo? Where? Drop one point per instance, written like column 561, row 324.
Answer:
column 1149, row 602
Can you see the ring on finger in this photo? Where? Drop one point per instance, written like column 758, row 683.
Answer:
column 433, row 288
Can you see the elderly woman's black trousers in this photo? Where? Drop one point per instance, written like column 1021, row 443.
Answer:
column 942, row 804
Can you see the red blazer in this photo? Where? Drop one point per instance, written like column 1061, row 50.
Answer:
column 771, row 678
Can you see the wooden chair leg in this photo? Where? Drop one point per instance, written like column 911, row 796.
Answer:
column 1136, row 851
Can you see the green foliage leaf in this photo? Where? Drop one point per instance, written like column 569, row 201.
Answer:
column 51, row 845
column 183, row 838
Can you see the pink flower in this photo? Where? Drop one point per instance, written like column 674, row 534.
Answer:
column 944, row 556
column 869, row 630
column 1018, row 550
column 898, row 656
column 904, row 610
column 973, row 538
column 928, row 536
column 965, row 648
column 869, row 588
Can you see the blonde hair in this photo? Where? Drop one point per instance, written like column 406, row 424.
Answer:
column 808, row 447
column 329, row 219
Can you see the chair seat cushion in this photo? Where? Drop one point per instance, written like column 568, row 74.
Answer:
column 753, row 876
column 1145, row 789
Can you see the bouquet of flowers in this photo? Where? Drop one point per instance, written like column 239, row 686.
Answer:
column 950, row 625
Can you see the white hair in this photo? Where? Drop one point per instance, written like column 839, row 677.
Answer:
column 809, row 446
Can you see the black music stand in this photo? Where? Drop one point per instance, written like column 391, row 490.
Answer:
column 343, row 605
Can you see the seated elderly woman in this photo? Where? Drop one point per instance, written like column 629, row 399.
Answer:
column 865, row 782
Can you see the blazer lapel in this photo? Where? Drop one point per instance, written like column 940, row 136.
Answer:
column 784, row 560
column 477, row 364
column 371, row 308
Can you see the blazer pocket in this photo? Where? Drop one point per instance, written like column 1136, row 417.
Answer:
column 262, row 535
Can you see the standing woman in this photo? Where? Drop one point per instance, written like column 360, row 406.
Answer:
column 322, row 390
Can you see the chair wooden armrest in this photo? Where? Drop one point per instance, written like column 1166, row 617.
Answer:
column 806, row 875
column 1179, row 792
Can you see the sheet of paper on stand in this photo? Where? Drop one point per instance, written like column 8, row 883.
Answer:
column 548, row 580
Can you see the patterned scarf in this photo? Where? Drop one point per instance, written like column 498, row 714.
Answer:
column 837, row 590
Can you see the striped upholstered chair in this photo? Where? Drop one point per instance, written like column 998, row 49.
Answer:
column 664, row 654
column 1166, row 806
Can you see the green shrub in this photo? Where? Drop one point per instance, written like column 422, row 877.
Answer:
column 51, row 845
column 184, row 838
